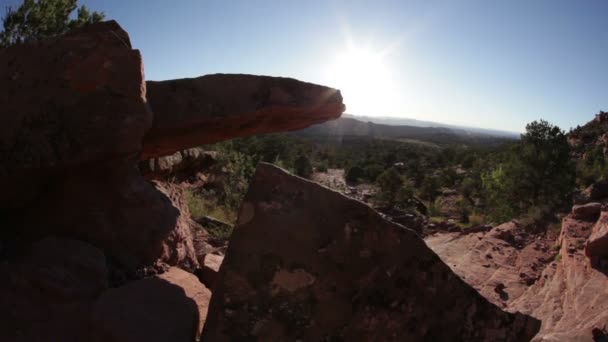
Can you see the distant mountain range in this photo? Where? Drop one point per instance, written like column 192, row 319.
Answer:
column 395, row 121
column 349, row 126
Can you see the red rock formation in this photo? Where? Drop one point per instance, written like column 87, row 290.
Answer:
column 486, row 259
column 168, row 307
column 560, row 287
column 56, row 107
column 307, row 263
column 77, row 217
column 597, row 244
column 195, row 111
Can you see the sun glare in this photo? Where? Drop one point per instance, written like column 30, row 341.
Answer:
column 364, row 80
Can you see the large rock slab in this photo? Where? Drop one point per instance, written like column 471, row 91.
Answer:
column 78, row 99
column 195, row 111
column 168, row 307
column 307, row 263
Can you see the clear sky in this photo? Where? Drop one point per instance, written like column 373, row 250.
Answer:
column 493, row 64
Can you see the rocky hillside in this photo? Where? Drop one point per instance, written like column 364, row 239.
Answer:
column 91, row 250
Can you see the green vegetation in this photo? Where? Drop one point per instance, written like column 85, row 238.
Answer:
column 535, row 176
column 531, row 179
column 44, row 19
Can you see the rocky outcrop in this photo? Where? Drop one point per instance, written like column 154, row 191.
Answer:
column 548, row 277
column 307, row 263
column 83, row 236
column 65, row 109
column 498, row 257
column 589, row 211
column 597, row 244
column 195, row 111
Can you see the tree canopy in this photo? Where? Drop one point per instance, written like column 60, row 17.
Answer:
column 44, row 19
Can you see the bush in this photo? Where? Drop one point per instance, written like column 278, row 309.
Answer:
column 390, row 183
column 302, row 166
column 354, row 174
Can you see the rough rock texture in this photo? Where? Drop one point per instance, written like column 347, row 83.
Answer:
column 486, row 260
column 195, row 111
column 178, row 246
column 306, row 263
column 559, row 285
column 168, row 307
column 597, row 244
column 589, row 211
column 76, row 215
column 571, row 297
column 56, row 107
column 46, row 291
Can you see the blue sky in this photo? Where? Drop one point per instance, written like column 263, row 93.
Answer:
column 478, row 63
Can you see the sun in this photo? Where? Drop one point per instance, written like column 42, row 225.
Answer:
column 364, row 80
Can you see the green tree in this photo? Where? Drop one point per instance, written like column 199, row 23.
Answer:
column 428, row 188
column 354, row 174
column 389, row 183
column 537, row 171
column 43, row 19
column 302, row 166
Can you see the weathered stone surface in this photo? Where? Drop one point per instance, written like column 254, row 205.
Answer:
column 570, row 297
column 168, row 307
column 178, row 246
column 195, row 111
column 210, row 267
column 490, row 257
column 47, row 290
column 597, row 244
column 67, row 102
column 111, row 207
column 589, row 211
column 306, row 263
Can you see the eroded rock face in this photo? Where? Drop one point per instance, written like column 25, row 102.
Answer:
column 495, row 258
column 307, row 263
column 195, row 111
column 67, row 102
column 548, row 277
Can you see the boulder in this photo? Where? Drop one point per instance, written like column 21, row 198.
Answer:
column 210, row 267
column 597, row 244
column 195, row 111
column 588, row 212
column 71, row 101
column 307, row 263
column 47, row 290
column 111, row 207
column 168, row 307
